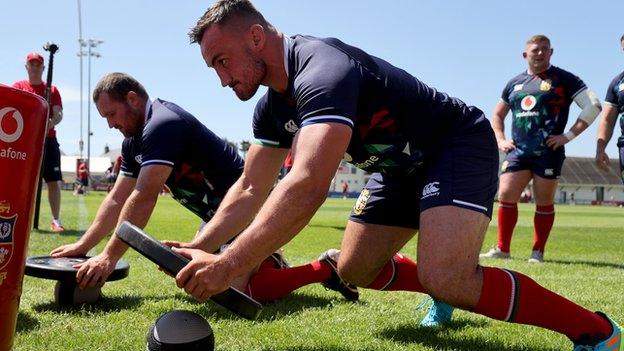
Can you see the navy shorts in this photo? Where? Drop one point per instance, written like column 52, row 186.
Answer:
column 52, row 161
column 462, row 174
column 548, row 165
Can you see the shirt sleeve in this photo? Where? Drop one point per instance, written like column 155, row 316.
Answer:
column 612, row 97
column 574, row 85
column 507, row 92
column 56, row 97
column 164, row 139
column 327, row 87
column 129, row 165
column 265, row 128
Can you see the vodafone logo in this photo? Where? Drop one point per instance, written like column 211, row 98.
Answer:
column 9, row 136
column 528, row 102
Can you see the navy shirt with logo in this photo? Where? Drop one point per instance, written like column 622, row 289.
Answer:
column 398, row 122
column 615, row 96
column 540, row 105
column 203, row 165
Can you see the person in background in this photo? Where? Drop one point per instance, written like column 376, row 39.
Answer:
column 539, row 99
column 52, row 154
column 613, row 106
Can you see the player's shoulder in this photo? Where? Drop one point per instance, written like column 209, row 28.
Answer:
column 330, row 51
column 165, row 112
column 20, row 84
column 517, row 79
column 617, row 80
column 555, row 70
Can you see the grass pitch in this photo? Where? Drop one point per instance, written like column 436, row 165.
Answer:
column 585, row 262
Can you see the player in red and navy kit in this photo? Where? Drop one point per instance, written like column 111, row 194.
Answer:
column 613, row 106
column 165, row 145
column 435, row 162
column 51, row 171
column 539, row 100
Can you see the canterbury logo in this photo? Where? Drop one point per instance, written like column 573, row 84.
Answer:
column 19, row 120
column 291, row 126
column 431, row 189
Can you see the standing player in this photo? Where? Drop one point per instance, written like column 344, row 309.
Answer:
column 614, row 105
column 165, row 145
column 540, row 100
column 52, row 154
column 435, row 162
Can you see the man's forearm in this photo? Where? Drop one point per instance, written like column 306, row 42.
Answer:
column 605, row 128
column 240, row 203
column 499, row 127
column 287, row 210
column 57, row 116
column 104, row 222
column 137, row 210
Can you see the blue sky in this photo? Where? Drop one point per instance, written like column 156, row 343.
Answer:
column 467, row 49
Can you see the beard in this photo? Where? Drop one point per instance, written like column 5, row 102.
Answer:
column 138, row 117
column 256, row 71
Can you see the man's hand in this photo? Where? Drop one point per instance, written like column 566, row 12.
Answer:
column 556, row 141
column 204, row 276
column 94, row 271
column 602, row 161
column 179, row 244
column 506, row 146
column 75, row 249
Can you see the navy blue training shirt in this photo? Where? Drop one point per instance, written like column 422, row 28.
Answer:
column 540, row 105
column 615, row 96
column 203, row 165
column 398, row 122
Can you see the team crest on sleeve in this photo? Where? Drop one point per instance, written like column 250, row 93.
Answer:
column 7, row 226
column 360, row 204
column 518, row 87
column 621, row 87
column 546, row 85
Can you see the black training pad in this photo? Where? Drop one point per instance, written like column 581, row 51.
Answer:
column 60, row 268
column 173, row 262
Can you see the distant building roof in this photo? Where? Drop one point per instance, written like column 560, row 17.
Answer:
column 112, row 154
column 583, row 171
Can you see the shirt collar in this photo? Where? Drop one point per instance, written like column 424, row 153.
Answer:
column 529, row 73
column 148, row 109
column 287, row 42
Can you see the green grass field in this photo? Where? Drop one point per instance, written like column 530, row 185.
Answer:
column 585, row 263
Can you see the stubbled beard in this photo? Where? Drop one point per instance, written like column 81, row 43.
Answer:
column 257, row 74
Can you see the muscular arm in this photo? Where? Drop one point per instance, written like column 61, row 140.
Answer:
column 137, row 210
column 57, row 115
column 590, row 108
column 244, row 198
column 317, row 151
column 605, row 132
column 104, row 221
column 498, row 125
column 140, row 204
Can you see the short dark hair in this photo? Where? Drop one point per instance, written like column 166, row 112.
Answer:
column 222, row 12
column 622, row 38
column 537, row 38
column 117, row 85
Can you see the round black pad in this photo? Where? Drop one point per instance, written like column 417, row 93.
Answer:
column 60, row 268
column 180, row 330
